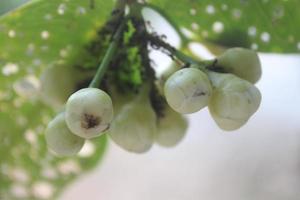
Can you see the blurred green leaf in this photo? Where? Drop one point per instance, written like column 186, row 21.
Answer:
column 265, row 25
column 31, row 39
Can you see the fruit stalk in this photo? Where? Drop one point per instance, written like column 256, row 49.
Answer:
column 156, row 41
column 111, row 51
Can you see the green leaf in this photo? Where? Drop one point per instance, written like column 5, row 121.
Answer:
column 264, row 25
column 31, row 39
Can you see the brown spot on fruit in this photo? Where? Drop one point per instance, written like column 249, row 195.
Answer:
column 90, row 121
column 199, row 93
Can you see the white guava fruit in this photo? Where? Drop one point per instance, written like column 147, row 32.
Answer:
column 233, row 102
column 89, row 112
column 242, row 62
column 134, row 127
column 60, row 139
column 171, row 128
column 188, row 90
column 58, row 82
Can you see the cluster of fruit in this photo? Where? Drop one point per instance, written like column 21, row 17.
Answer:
column 231, row 98
column 89, row 113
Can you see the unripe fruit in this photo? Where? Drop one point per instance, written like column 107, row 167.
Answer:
column 58, row 83
column 233, row 102
column 188, row 90
column 163, row 77
column 171, row 128
column 242, row 62
column 120, row 98
column 89, row 112
column 60, row 139
column 134, row 127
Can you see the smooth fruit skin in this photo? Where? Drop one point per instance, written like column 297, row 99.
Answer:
column 233, row 102
column 89, row 112
column 60, row 139
column 242, row 62
column 120, row 98
column 163, row 77
column 134, row 127
column 171, row 128
column 188, row 90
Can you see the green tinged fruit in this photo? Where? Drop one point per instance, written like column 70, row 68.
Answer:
column 188, row 90
column 163, row 77
column 60, row 139
column 119, row 98
column 134, row 127
column 171, row 128
column 233, row 102
column 244, row 63
column 58, row 82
